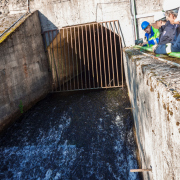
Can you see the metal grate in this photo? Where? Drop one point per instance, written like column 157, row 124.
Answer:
column 86, row 56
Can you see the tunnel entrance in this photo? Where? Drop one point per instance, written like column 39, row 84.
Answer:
column 86, row 56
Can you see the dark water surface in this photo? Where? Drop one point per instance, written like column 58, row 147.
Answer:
column 81, row 135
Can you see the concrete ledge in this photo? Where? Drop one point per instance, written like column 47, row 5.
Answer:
column 154, row 90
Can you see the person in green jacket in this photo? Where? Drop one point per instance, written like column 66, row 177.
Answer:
column 152, row 34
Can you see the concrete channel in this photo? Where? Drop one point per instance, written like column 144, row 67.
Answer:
column 69, row 135
column 86, row 134
column 75, row 135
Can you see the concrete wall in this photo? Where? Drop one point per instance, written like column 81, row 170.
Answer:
column 60, row 13
column 67, row 13
column 154, row 90
column 10, row 12
column 23, row 70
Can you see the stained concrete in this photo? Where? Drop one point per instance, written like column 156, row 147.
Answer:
column 23, row 70
column 154, row 90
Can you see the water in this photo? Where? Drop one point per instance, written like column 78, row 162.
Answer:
column 84, row 135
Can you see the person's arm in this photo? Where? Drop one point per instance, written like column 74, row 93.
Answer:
column 175, row 45
column 161, row 49
column 168, row 48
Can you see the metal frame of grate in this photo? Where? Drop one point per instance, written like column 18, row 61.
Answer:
column 86, row 56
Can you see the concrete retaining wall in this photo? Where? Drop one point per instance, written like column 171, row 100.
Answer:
column 154, row 90
column 60, row 13
column 23, row 70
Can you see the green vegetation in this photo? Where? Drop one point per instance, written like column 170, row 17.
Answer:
column 21, row 107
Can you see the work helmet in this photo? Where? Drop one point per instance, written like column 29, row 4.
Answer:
column 171, row 4
column 178, row 17
column 159, row 16
column 144, row 25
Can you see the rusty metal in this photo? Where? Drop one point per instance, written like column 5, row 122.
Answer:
column 65, row 59
column 50, row 62
column 95, row 56
column 116, row 54
column 61, row 62
column 82, row 32
column 87, row 56
column 72, row 55
column 107, row 44
column 80, row 58
column 87, row 53
column 58, row 69
column 76, row 58
column 112, row 59
column 103, row 53
column 121, row 53
column 99, row 55
column 69, row 58
column 140, row 170
column 91, row 55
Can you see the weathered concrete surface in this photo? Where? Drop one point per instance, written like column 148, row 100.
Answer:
column 64, row 13
column 154, row 90
column 60, row 13
column 23, row 69
column 10, row 12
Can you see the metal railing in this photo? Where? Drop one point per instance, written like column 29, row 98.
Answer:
column 86, row 56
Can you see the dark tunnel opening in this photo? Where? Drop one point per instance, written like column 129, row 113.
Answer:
column 86, row 57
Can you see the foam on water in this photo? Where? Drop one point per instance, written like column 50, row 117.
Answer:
column 79, row 140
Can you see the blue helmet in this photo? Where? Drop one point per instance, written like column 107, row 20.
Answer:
column 144, row 25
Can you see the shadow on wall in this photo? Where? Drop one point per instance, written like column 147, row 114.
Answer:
column 49, row 26
column 46, row 22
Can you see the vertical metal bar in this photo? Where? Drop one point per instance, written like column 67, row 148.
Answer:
column 56, row 73
column 80, row 58
column 53, row 60
column 58, row 59
column 99, row 54
column 62, row 60
column 69, row 57
column 103, row 53
column 84, row 56
column 92, row 59
column 72, row 56
column 107, row 44
column 65, row 58
column 88, row 56
column 121, row 53
column 95, row 56
column 116, row 54
column 76, row 57
column 50, row 60
column 112, row 60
